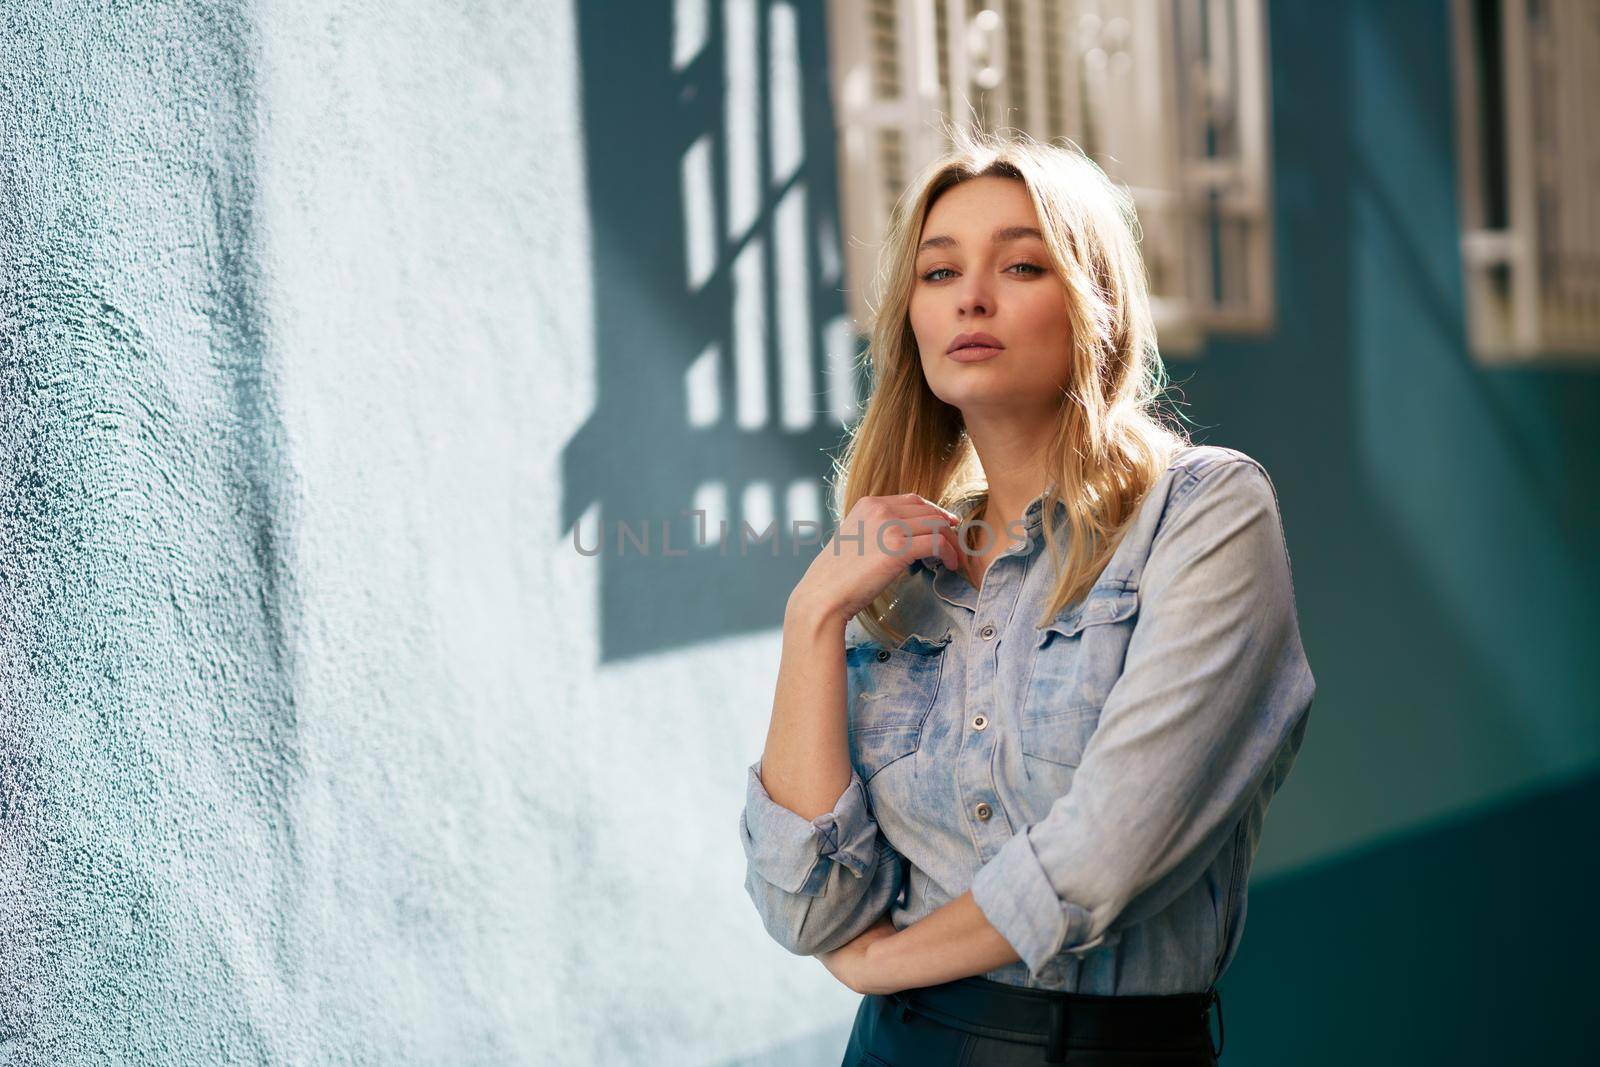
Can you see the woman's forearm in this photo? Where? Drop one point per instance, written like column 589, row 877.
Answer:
column 805, row 765
column 954, row 941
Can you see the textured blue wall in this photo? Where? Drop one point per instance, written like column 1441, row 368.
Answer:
column 294, row 317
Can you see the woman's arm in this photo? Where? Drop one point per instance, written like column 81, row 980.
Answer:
column 954, row 941
column 819, row 871
column 805, row 765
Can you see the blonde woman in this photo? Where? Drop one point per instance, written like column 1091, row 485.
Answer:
column 1037, row 692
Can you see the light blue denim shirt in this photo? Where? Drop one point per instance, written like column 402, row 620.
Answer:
column 1099, row 784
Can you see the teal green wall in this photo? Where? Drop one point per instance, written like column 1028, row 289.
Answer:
column 1439, row 513
column 1467, row 942
column 1418, row 894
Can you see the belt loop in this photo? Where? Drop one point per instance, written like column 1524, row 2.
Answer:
column 1055, row 1049
column 1214, row 996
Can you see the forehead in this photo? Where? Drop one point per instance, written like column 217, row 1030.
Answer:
column 973, row 209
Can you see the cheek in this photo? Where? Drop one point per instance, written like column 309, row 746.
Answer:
column 916, row 312
column 1050, row 335
column 920, row 328
column 1049, row 328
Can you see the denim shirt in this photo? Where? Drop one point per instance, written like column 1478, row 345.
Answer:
column 1099, row 784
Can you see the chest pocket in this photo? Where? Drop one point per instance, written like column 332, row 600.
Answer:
column 891, row 692
column 1077, row 659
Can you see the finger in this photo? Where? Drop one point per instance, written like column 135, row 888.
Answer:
column 924, row 546
column 907, row 504
column 920, row 521
column 957, row 550
column 952, row 535
column 901, row 530
column 946, row 545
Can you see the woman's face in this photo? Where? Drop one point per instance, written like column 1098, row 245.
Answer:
column 982, row 268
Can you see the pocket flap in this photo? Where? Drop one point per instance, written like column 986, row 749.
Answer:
column 916, row 652
column 1107, row 602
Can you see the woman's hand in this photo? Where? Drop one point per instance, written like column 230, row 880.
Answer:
column 849, row 963
column 882, row 536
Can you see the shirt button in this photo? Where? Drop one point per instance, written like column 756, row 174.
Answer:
column 986, row 633
column 883, row 655
column 979, row 722
column 983, row 811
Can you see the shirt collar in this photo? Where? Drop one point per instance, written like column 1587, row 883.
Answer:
column 1031, row 520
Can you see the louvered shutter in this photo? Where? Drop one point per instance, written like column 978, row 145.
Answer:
column 1527, row 82
column 1170, row 97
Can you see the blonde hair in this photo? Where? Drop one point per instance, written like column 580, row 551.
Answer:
column 1111, row 445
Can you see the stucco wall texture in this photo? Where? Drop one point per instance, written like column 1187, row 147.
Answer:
column 305, row 753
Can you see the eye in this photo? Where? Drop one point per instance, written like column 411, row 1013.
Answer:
column 1031, row 269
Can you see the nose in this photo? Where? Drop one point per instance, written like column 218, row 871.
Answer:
column 976, row 298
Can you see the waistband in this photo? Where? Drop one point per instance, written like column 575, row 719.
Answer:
column 1060, row 1020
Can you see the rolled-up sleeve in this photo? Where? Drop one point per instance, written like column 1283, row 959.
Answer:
column 1210, row 706
column 816, row 883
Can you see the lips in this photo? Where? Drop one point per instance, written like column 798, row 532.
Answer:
column 974, row 340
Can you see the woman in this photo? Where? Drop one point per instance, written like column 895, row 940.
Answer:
column 1036, row 694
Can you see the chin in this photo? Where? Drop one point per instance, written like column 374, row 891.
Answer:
column 982, row 399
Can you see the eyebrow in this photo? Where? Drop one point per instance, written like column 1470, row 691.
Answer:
column 1003, row 234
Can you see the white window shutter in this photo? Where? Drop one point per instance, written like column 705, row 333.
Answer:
column 1527, row 82
column 1170, row 97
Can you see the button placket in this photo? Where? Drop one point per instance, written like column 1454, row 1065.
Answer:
column 988, row 823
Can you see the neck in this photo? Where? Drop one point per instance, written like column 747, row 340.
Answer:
column 1009, row 450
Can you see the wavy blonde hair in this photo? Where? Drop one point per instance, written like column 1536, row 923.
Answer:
column 1111, row 443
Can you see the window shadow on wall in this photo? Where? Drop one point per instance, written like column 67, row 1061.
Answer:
column 726, row 370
